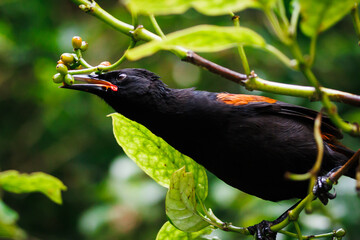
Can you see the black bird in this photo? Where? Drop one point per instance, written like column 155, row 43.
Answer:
column 247, row 141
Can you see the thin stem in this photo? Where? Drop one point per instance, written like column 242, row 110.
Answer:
column 327, row 104
column 294, row 213
column 216, row 222
column 90, row 68
column 276, row 26
column 84, row 63
column 298, row 230
column 294, row 235
column 297, row 177
column 294, row 20
column 312, row 50
column 319, row 144
column 330, row 108
column 355, row 18
column 244, row 61
column 341, row 171
column 282, row 13
column 134, row 19
column 156, row 26
column 118, row 62
column 83, row 71
column 312, row 173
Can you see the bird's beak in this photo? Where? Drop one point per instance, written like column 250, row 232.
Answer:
column 92, row 84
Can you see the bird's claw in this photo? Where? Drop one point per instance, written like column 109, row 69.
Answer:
column 322, row 188
column 262, row 231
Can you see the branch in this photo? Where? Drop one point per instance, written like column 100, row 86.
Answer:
column 140, row 33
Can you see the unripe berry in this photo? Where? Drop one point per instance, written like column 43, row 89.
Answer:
column 69, row 79
column 105, row 63
column 76, row 42
column 340, row 233
column 62, row 69
column 84, row 46
column 58, row 78
column 67, row 58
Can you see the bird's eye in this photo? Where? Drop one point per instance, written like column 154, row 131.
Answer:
column 122, row 76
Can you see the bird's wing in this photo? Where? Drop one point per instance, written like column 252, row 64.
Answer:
column 261, row 104
column 327, row 127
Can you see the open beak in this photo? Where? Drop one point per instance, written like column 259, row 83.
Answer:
column 92, row 84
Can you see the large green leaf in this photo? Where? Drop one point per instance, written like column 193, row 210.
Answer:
column 13, row 181
column 317, row 16
column 160, row 7
column 168, row 231
column 154, row 156
column 212, row 7
column 202, row 38
column 207, row 7
column 181, row 203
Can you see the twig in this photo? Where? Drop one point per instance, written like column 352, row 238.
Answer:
column 356, row 20
column 156, row 26
column 244, row 61
column 341, row 171
column 215, row 68
column 294, row 20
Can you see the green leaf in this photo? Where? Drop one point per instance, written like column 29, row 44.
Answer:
column 318, row 16
column 219, row 7
column 180, row 203
column 168, row 231
column 160, row 7
column 8, row 227
column 7, row 215
column 154, row 156
column 224, row 7
column 15, row 182
column 202, row 38
column 11, row 231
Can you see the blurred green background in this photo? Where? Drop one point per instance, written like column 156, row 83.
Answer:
column 67, row 134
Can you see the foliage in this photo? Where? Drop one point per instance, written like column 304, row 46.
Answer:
column 152, row 154
column 15, row 182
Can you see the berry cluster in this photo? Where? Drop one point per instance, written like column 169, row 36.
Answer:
column 69, row 61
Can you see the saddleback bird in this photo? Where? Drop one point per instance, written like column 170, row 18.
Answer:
column 247, row 141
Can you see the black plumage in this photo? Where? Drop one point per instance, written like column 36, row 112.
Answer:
column 247, row 141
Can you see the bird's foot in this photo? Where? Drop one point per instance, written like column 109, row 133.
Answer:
column 262, row 231
column 322, row 187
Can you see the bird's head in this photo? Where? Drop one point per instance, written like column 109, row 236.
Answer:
column 118, row 87
column 129, row 81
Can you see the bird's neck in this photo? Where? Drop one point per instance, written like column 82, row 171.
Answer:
column 163, row 108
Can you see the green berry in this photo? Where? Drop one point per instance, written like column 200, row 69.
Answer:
column 340, row 233
column 76, row 42
column 62, row 69
column 58, row 78
column 84, row 46
column 69, row 79
column 67, row 58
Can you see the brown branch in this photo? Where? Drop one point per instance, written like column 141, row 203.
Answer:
column 341, row 171
column 197, row 60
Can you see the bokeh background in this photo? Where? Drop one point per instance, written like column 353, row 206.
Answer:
column 67, row 134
